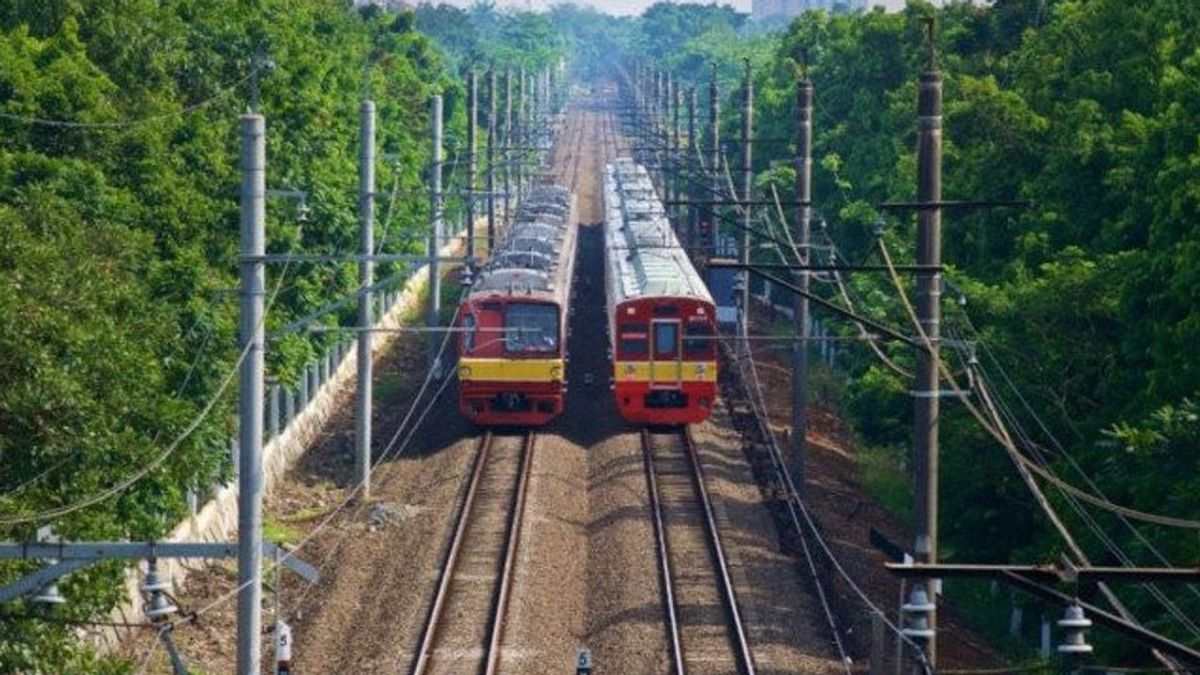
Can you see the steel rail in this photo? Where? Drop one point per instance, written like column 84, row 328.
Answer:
column 515, row 520
column 425, row 651
column 664, row 558
column 743, row 655
column 718, row 550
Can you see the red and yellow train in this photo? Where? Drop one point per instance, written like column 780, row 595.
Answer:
column 512, row 345
column 662, row 319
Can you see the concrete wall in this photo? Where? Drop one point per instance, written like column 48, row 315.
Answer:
column 216, row 520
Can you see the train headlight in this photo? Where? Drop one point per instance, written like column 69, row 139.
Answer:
column 464, row 372
column 556, row 372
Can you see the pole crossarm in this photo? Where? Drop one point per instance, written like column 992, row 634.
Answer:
column 74, row 556
column 955, row 204
column 39, row 579
column 727, row 263
column 1160, row 643
column 1066, row 574
column 277, row 258
column 732, row 202
column 855, row 317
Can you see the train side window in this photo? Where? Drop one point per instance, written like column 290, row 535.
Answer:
column 698, row 339
column 468, row 338
column 634, row 339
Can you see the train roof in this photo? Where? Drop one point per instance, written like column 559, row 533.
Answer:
column 643, row 252
column 529, row 259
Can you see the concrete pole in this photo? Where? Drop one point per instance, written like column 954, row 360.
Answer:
column 491, row 162
column 508, row 145
column 928, row 301
column 435, row 230
column 747, row 184
column 522, row 144
column 689, row 156
column 676, row 142
column 714, row 152
column 472, row 146
column 366, row 277
column 800, row 323
column 250, row 393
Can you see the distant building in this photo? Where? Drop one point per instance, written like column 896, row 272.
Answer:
column 785, row 9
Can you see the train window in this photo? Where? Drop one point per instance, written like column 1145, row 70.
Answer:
column 468, row 336
column 698, row 339
column 666, row 339
column 634, row 339
column 531, row 327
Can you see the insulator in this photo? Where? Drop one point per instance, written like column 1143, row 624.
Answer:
column 1075, row 627
column 49, row 595
column 918, row 609
column 157, row 606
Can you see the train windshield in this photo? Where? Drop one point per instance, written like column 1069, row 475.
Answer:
column 530, row 328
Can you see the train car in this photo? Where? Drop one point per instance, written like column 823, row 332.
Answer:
column 662, row 319
column 513, row 321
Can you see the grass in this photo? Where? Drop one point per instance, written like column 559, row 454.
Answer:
column 280, row 533
column 885, row 478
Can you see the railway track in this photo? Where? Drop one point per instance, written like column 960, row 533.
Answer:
column 704, row 625
column 464, row 630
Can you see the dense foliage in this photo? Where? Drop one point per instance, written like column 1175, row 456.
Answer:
column 118, row 241
column 1086, row 302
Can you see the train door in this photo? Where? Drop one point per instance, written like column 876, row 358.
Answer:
column 666, row 357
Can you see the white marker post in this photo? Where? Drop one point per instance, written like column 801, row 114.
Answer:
column 583, row 662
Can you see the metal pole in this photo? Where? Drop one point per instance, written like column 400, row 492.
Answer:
column 250, row 394
column 491, row 162
column 435, row 236
column 366, row 277
column 800, row 323
column 522, row 142
column 928, row 300
column 472, row 146
column 714, row 148
column 693, row 213
column 747, row 182
column 508, row 145
column 675, row 145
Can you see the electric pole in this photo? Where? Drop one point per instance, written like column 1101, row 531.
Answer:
column 804, row 129
column 366, row 214
column 747, row 184
column 250, row 393
column 928, row 301
column 714, row 153
column 435, row 230
column 692, row 212
column 491, row 162
column 472, row 169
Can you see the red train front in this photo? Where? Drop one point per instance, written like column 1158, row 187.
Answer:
column 662, row 319
column 512, row 345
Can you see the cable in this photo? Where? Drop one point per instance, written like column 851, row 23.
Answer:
column 794, row 496
column 1167, row 521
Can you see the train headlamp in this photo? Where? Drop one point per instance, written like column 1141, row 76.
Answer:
column 464, row 372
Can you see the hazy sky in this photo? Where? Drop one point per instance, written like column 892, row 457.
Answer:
column 635, row 6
